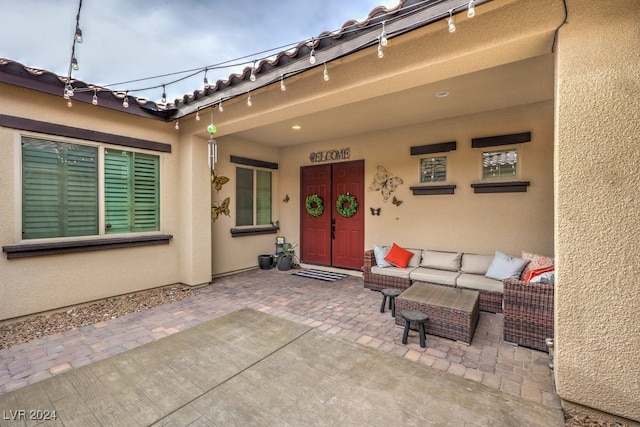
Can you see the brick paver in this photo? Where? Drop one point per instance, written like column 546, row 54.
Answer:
column 343, row 308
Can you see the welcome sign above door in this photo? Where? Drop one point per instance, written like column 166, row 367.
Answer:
column 330, row 155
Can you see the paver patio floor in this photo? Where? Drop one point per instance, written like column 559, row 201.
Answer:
column 343, row 308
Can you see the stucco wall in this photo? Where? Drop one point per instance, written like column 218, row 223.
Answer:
column 481, row 223
column 43, row 283
column 597, row 208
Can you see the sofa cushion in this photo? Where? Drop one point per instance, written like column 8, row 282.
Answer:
column 476, row 264
column 415, row 259
column 380, row 252
column 504, row 266
column 479, row 283
column 398, row 257
column 402, row 273
column 432, row 275
column 536, row 262
column 438, row 260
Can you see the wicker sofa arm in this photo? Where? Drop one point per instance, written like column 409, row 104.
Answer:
column 528, row 313
column 369, row 260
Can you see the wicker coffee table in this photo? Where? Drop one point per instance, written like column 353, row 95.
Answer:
column 453, row 313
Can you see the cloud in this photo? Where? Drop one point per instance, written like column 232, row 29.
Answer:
column 127, row 40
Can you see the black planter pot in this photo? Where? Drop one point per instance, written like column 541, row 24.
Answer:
column 284, row 263
column 265, row 262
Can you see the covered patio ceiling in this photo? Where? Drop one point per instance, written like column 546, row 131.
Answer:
column 523, row 82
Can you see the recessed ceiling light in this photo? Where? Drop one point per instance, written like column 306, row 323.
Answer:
column 442, row 94
column 296, row 127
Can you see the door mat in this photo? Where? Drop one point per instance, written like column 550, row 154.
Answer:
column 327, row 276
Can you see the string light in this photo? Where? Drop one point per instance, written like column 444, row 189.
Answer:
column 198, row 115
column 312, row 55
column 451, row 23
column 164, row 95
column 78, row 34
column 94, row 100
column 383, row 35
column 252, row 77
column 177, row 125
column 220, row 107
column 471, row 10
column 205, row 80
column 325, row 74
column 282, row 86
column 249, row 103
column 125, row 102
column 74, row 64
column 380, row 52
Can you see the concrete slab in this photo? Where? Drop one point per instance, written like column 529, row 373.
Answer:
column 251, row 368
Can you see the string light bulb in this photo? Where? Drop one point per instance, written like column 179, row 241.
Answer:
column 198, row 115
column 125, row 102
column 74, row 64
column 78, row 34
column 177, row 125
column 471, row 10
column 282, row 86
column 164, row 95
column 325, row 74
column 252, row 77
column 383, row 35
column 220, row 107
column 205, row 81
column 249, row 102
column 380, row 52
column 451, row 22
column 94, row 100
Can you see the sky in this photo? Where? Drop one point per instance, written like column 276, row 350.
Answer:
column 125, row 40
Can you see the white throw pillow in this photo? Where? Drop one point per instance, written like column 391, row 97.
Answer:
column 380, row 252
column 504, row 266
column 548, row 278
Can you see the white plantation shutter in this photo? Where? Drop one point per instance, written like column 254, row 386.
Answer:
column 59, row 189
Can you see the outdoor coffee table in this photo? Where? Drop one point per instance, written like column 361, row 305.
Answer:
column 453, row 313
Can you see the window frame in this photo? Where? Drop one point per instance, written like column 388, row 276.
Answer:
column 433, row 159
column 255, row 205
column 92, row 239
column 499, row 176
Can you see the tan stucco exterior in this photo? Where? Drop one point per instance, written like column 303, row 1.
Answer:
column 597, row 205
column 32, row 285
column 581, row 205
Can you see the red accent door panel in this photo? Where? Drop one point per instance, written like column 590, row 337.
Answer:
column 315, row 238
column 348, row 242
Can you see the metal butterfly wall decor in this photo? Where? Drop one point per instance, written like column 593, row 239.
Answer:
column 220, row 208
column 218, row 180
column 396, row 201
column 385, row 183
column 375, row 211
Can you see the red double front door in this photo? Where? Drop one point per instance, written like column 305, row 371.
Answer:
column 331, row 239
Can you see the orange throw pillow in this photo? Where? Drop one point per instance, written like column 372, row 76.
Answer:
column 398, row 256
column 533, row 273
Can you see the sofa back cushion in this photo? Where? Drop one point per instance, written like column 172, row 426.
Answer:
column 476, row 264
column 416, row 258
column 449, row 261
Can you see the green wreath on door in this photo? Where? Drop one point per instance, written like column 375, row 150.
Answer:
column 346, row 205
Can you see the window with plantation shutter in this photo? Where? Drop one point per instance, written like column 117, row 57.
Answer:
column 59, row 189
column 132, row 196
column 254, row 197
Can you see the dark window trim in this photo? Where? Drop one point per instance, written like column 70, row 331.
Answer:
column 501, row 187
column 253, row 231
column 54, row 248
column 85, row 134
column 442, row 147
column 494, row 141
column 252, row 162
column 429, row 190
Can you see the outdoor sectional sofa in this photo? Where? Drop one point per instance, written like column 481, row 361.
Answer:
column 527, row 305
column 456, row 269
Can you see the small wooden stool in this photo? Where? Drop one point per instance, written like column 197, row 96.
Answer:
column 392, row 294
column 418, row 318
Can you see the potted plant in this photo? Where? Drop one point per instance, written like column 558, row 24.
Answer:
column 288, row 257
